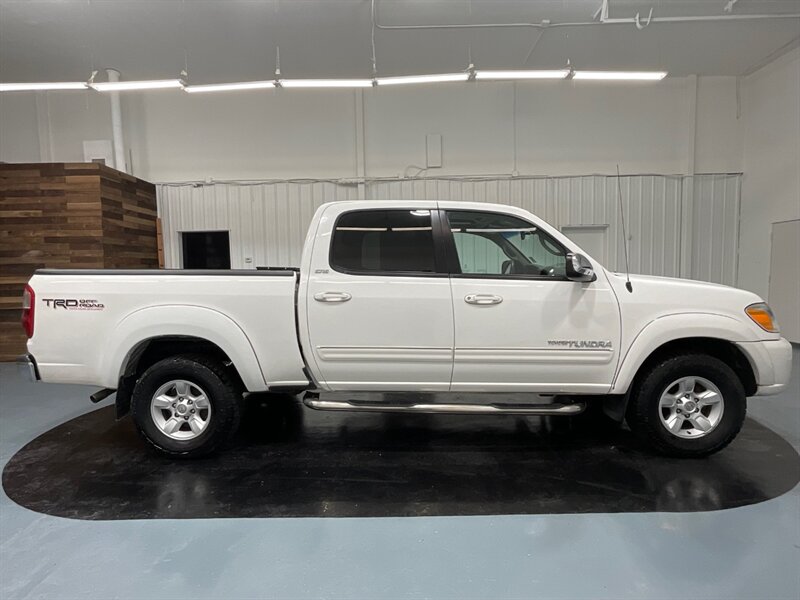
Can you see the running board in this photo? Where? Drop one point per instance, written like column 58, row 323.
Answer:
column 453, row 409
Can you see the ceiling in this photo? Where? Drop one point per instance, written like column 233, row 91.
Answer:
column 236, row 40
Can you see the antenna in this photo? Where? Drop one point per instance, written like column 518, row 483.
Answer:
column 628, row 285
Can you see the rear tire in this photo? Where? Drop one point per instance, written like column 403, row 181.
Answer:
column 186, row 406
column 688, row 406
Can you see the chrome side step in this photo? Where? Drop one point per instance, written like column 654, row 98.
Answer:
column 453, row 409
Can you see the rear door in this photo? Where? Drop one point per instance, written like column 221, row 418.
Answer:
column 378, row 303
column 520, row 324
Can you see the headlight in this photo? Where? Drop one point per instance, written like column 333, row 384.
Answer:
column 762, row 315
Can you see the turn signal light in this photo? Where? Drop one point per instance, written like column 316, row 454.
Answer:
column 762, row 315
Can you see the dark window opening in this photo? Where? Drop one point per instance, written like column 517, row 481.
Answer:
column 206, row 250
column 387, row 241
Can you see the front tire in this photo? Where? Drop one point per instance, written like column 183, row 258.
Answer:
column 186, row 406
column 688, row 406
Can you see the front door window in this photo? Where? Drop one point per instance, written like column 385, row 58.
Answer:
column 502, row 245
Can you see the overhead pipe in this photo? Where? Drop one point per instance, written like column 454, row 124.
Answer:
column 602, row 12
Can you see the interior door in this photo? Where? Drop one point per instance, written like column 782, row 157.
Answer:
column 380, row 315
column 520, row 325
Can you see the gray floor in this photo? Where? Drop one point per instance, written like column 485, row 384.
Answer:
column 750, row 552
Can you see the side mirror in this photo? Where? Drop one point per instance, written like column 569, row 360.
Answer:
column 579, row 268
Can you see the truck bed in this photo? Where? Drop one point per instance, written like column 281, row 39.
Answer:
column 249, row 314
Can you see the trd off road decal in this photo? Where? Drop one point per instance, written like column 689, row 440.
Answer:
column 73, row 303
column 580, row 344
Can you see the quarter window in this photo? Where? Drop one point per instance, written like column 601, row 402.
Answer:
column 502, row 245
column 383, row 241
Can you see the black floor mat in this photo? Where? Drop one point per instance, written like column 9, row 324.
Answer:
column 289, row 461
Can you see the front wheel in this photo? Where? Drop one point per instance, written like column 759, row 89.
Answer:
column 688, row 405
column 186, row 406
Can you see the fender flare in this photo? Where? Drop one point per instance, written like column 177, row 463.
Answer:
column 676, row 327
column 182, row 320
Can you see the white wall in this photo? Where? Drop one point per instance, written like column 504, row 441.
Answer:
column 771, row 182
column 19, row 135
column 720, row 133
column 75, row 117
column 51, row 126
column 257, row 135
column 562, row 128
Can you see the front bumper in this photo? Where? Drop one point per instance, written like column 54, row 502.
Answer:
column 772, row 363
column 26, row 366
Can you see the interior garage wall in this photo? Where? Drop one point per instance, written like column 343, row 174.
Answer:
column 771, row 183
column 679, row 125
column 19, row 137
column 533, row 128
column 268, row 221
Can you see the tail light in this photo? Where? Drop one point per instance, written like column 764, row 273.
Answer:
column 28, row 309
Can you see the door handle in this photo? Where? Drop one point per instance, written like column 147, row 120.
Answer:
column 332, row 297
column 483, row 299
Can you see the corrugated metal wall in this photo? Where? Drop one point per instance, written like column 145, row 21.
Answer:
column 667, row 217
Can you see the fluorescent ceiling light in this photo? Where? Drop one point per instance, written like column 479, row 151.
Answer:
column 36, row 87
column 326, row 83
column 445, row 77
column 121, row 86
column 620, row 75
column 560, row 74
column 230, row 87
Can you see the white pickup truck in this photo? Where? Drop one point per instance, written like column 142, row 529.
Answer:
column 396, row 296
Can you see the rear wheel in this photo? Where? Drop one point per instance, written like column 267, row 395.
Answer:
column 689, row 405
column 186, row 406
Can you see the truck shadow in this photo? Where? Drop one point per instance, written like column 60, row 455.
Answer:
column 288, row 461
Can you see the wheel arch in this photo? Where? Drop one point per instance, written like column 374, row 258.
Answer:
column 151, row 332
column 724, row 350
column 615, row 404
column 712, row 333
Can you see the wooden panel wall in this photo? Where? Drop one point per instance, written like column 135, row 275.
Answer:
column 64, row 215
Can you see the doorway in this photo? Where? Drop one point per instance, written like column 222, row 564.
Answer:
column 206, row 250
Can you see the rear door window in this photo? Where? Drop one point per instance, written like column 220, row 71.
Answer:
column 383, row 241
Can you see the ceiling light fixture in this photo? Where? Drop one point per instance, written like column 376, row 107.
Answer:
column 123, row 86
column 42, row 87
column 559, row 74
column 326, row 83
column 620, row 75
column 230, row 87
column 443, row 78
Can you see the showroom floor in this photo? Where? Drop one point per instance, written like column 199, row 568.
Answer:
column 582, row 526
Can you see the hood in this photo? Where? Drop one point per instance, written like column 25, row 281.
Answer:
column 667, row 295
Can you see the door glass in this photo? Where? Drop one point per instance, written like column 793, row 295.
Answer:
column 495, row 244
column 383, row 241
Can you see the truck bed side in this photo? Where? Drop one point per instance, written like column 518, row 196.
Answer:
column 88, row 323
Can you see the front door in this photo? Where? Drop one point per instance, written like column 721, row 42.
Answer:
column 380, row 315
column 520, row 324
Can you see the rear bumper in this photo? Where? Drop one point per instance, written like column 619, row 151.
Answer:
column 772, row 363
column 26, row 366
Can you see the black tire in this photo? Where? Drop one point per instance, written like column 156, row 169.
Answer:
column 643, row 416
column 224, row 396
